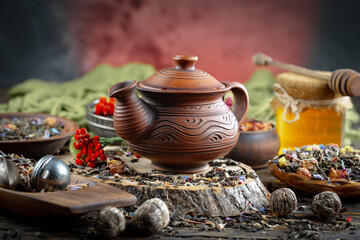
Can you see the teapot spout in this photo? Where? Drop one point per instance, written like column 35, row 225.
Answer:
column 133, row 117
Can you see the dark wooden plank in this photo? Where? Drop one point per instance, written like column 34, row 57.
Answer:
column 65, row 203
column 274, row 234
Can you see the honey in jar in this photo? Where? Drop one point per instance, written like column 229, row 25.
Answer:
column 308, row 111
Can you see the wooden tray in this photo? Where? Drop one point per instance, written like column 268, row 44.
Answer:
column 65, row 203
column 344, row 188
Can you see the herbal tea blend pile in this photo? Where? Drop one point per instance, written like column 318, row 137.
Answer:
column 321, row 162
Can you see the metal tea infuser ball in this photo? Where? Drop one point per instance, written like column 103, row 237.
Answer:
column 50, row 173
column 9, row 175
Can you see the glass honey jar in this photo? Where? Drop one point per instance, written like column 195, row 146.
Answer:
column 307, row 111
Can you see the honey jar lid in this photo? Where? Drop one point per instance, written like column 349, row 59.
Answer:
column 184, row 77
column 304, row 87
column 296, row 92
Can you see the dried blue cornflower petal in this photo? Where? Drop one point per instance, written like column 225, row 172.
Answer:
column 47, row 133
column 75, row 188
column 54, row 130
column 318, row 176
column 242, row 178
column 342, row 164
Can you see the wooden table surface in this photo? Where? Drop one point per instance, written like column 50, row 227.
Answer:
column 13, row 227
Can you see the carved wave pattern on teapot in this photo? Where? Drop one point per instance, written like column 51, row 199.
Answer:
column 194, row 130
column 208, row 109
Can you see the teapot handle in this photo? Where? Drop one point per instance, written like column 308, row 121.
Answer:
column 241, row 103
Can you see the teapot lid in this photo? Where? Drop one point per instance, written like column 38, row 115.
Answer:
column 181, row 78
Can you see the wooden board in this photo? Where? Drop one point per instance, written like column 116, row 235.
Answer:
column 65, row 203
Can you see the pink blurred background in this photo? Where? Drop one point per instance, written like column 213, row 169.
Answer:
column 61, row 40
column 224, row 34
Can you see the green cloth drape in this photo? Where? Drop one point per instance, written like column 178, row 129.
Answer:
column 69, row 99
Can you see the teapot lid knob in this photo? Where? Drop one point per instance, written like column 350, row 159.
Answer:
column 185, row 62
column 181, row 78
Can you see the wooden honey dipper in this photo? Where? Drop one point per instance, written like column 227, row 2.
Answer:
column 343, row 81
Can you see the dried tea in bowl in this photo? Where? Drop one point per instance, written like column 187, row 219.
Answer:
column 29, row 128
column 255, row 125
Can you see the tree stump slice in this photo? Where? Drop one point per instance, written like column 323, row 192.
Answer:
column 211, row 200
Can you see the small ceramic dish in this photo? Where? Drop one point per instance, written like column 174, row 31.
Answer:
column 255, row 148
column 37, row 148
column 99, row 125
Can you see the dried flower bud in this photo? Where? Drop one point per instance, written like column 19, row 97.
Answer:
column 326, row 205
column 337, row 174
column 283, row 201
column 151, row 217
column 110, row 223
column 116, row 166
column 332, row 174
column 345, row 149
column 10, row 126
column 220, row 227
column 310, row 164
column 283, row 162
column 304, row 171
column 50, row 121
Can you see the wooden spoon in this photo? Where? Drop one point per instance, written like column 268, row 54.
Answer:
column 343, row 81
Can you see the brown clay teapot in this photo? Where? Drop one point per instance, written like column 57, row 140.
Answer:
column 181, row 121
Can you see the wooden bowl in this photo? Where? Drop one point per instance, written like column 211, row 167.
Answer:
column 255, row 148
column 37, row 148
column 342, row 187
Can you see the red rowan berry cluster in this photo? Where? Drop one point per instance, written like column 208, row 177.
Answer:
column 104, row 107
column 90, row 149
